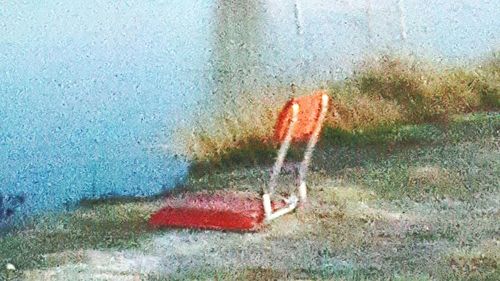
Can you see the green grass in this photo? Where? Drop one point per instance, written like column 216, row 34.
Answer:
column 96, row 226
column 422, row 160
column 413, row 202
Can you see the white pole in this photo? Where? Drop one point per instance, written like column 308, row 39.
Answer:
column 369, row 27
column 304, row 166
column 266, row 198
column 402, row 20
column 283, row 149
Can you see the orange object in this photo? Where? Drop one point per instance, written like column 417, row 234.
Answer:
column 309, row 113
column 223, row 211
column 300, row 120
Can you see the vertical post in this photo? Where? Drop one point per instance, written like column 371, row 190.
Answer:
column 310, row 148
column 402, row 21
column 298, row 17
column 369, row 27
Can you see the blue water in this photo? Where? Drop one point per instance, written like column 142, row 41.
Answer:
column 92, row 91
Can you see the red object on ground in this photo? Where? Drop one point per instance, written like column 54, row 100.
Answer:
column 222, row 211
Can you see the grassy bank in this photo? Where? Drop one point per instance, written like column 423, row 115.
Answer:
column 419, row 202
column 384, row 94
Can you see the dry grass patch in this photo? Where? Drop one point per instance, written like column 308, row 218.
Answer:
column 383, row 93
column 480, row 263
column 357, row 112
column 247, row 121
column 433, row 177
column 391, row 90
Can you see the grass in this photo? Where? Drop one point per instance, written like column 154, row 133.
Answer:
column 381, row 95
column 100, row 225
column 416, row 203
column 421, row 169
column 476, row 263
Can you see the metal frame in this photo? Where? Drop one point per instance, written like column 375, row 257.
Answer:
column 292, row 202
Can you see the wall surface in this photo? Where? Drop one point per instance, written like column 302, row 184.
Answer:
column 91, row 91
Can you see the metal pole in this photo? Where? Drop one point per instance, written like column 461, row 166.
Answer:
column 310, row 148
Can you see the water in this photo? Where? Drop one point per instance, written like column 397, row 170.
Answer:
column 91, row 91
